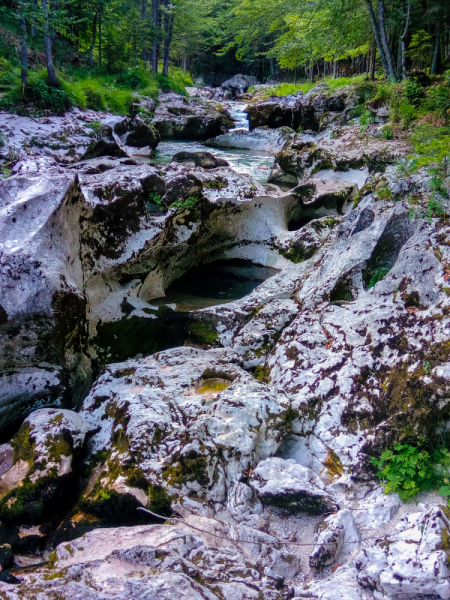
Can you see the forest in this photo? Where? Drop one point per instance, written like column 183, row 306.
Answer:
column 162, row 44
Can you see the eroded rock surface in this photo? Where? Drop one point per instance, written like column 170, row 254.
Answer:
column 179, row 117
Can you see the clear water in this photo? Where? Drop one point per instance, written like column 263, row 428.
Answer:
column 246, row 162
column 214, row 283
column 236, row 110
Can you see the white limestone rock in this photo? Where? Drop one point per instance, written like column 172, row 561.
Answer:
column 158, row 561
column 411, row 561
column 336, row 533
column 159, row 426
column 286, row 484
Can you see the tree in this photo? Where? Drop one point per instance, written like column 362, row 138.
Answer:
column 52, row 79
column 24, row 46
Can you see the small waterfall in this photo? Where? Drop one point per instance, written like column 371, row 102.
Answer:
column 236, row 109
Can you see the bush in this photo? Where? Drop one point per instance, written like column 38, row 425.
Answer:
column 413, row 90
column 405, row 470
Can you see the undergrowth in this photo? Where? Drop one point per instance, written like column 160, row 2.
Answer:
column 85, row 88
column 408, row 469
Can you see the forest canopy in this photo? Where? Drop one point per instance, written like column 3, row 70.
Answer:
column 274, row 40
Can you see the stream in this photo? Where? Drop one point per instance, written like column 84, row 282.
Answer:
column 245, row 162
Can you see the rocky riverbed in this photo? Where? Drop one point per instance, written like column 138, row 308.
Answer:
column 218, row 348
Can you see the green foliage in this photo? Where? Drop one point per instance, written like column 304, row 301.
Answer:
column 431, row 146
column 420, row 49
column 386, row 132
column 405, row 470
column 378, row 274
column 413, row 90
column 185, row 204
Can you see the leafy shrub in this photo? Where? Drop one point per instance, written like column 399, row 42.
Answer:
column 387, row 133
column 413, row 90
column 405, row 470
column 431, row 146
column 94, row 99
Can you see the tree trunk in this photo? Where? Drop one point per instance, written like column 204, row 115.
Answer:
column 33, row 21
column 402, row 67
column 376, row 32
column 437, row 49
column 94, row 37
column 143, row 18
column 100, row 39
column 373, row 60
column 335, row 66
column 384, row 41
column 52, row 79
column 155, row 19
column 24, row 49
column 169, row 15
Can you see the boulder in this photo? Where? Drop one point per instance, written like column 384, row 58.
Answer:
column 45, row 452
column 161, row 561
column 137, row 132
column 308, row 235
column 206, row 160
column 412, row 561
column 313, row 110
column 148, row 459
column 288, row 485
column 346, row 150
column 262, row 138
column 334, row 534
column 239, row 84
column 68, row 139
column 179, row 117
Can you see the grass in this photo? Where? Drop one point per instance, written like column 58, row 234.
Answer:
column 85, row 88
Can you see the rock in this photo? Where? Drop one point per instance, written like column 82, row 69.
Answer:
column 6, row 557
column 208, row 93
column 206, row 160
column 316, row 193
column 342, row 585
column 179, row 117
column 412, row 561
column 286, row 484
column 313, row 110
column 148, row 459
column 158, row 561
column 137, row 132
column 345, row 150
column 241, row 502
column 262, row 138
column 255, row 340
column 42, row 302
column 239, row 84
column 302, row 244
column 46, row 449
column 68, row 139
column 335, row 533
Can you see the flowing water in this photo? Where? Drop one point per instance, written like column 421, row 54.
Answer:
column 246, row 162
column 222, row 281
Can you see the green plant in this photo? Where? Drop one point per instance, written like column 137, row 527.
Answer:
column 185, row 204
column 413, row 90
column 386, row 132
column 95, row 126
column 377, row 275
column 404, row 470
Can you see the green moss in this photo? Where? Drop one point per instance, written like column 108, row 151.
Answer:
column 29, row 502
column 159, row 500
column 50, row 576
column 188, row 467
column 203, row 332
column 219, row 183
column 298, row 253
column 23, row 444
column 262, row 373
